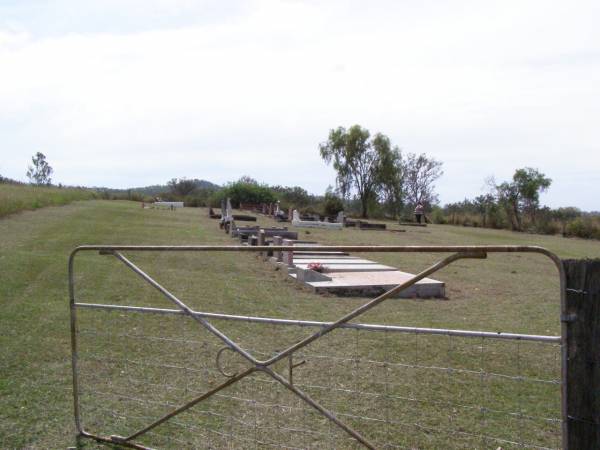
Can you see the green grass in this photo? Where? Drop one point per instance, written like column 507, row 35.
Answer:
column 135, row 367
column 15, row 198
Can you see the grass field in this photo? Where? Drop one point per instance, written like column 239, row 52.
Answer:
column 396, row 389
column 15, row 198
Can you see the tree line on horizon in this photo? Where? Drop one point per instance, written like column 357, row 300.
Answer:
column 373, row 179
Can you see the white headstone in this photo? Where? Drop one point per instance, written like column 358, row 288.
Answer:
column 229, row 212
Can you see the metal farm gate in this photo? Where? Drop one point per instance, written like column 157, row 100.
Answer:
column 150, row 377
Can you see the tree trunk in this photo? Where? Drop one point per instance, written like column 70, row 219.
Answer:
column 364, row 201
column 517, row 217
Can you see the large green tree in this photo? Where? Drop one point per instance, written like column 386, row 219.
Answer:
column 391, row 176
column 363, row 164
column 530, row 183
column 522, row 195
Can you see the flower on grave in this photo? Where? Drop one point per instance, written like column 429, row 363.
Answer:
column 317, row 267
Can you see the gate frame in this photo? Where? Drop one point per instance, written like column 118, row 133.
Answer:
column 457, row 253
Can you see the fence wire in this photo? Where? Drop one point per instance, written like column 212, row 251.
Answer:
column 400, row 390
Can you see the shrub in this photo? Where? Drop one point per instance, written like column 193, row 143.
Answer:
column 437, row 215
column 583, row 227
column 547, row 227
column 332, row 204
column 244, row 191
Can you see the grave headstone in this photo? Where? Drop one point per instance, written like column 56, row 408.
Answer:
column 287, row 256
column 261, row 240
column 277, row 240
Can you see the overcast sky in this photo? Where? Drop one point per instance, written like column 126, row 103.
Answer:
column 130, row 93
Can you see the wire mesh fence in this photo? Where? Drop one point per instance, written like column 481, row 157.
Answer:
column 398, row 389
column 151, row 378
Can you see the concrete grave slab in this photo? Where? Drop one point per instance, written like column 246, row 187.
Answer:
column 375, row 283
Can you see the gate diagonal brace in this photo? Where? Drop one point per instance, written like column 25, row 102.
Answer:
column 264, row 365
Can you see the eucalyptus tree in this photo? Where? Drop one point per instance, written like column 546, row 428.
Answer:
column 420, row 174
column 364, row 164
column 40, row 172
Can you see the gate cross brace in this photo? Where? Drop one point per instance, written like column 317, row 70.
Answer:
column 264, row 366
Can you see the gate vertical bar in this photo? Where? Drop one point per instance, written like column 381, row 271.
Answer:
column 73, row 320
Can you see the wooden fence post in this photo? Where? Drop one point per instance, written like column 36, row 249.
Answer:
column 261, row 241
column 583, row 353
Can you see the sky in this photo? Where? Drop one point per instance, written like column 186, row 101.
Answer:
column 126, row 93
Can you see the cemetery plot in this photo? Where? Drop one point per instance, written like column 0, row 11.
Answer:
column 342, row 274
column 328, row 271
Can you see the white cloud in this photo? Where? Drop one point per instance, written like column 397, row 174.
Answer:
column 206, row 92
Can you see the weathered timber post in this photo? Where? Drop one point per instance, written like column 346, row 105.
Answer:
column 583, row 353
column 261, row 240
column 288, row 256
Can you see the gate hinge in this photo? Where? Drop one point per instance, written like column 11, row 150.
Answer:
column 568, row 317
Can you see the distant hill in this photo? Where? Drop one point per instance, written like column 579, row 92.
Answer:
column 157, row 189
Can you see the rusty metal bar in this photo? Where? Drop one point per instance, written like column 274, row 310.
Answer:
column 185, row 407
column 313, row 323
column 340, row 248
column 74, row 353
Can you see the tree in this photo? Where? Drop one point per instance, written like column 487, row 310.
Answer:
column 391, row 180
column 248, row 190
column 483, row 204
column 565, row 215
column 521, row 195
column 182, row 187
column 530, row 183
column 40, row 172
column 508, row 197
column 420, row 172
column 358, row 161
column 332, row 204
column 292, row 196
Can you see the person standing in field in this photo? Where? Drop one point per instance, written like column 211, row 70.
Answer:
column 419, row 210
